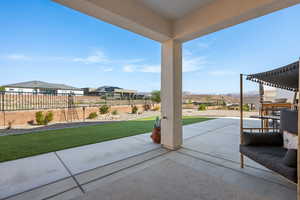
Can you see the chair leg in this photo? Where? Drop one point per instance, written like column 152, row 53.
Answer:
column 242, row 161
column 298, row 191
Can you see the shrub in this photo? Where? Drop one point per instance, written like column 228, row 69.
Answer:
column 147, row 107
column 156, row 108
column 115, row 112
column 93, row 115
column 134, row 110
column 202, row 107
column 40, row 118
column 48, row 117
column 246, row 107
column 104, row 109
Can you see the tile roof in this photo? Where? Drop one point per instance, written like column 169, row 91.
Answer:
column 41, row 84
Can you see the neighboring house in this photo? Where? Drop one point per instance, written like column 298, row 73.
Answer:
column 143, row 95
column 89, row 91
column 111, row 92
column 41, row 87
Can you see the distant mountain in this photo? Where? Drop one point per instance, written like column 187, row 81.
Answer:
column 246, row 94
column 230, row 98
column 205, row 98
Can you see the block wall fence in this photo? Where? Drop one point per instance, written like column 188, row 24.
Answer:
column 60, row 115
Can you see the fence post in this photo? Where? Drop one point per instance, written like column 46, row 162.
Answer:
column 2, row 101
column 2, row 107
column 83, row 113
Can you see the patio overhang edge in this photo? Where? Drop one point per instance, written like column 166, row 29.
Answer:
column 222, row 14
column 131, row 16
column 138, row 18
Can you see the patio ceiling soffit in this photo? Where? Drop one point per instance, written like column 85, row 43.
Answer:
column 135, row 16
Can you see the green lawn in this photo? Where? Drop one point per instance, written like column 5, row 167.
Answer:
column 19, row 146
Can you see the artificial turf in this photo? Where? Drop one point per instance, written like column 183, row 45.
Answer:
column 19, row 146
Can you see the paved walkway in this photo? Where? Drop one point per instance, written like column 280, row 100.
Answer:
column 207, row 167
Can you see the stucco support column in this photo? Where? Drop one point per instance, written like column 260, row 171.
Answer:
column 298, row 154
column 171, row 94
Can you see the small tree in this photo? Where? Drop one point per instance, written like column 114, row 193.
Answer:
column 104, row 109
column 2, row 88
column 155, row 96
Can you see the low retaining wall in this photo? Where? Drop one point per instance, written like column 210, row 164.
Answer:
column 60, row 115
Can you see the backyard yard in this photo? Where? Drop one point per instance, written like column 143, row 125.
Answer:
column 19, row 146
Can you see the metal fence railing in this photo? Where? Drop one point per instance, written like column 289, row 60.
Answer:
column 14, row 101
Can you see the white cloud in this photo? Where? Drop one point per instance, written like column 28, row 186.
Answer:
column 97, row 57
column 100, row 57
column 193, row 64
column 129, row 68
column 142, row 68
column 151, row 68
column 109, row 69
column 188, row 65
column 132, row 61
column 18, row 57
column 222, row 73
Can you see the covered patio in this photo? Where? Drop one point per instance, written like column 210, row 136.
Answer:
column 171, row 23
column 206, row 167
column 202, row 163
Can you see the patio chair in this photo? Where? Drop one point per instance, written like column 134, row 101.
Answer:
column 266, row 148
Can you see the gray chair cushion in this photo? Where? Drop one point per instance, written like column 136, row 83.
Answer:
column 289, row 121
column 262, row 139
column 271, row 158
column 290, row 158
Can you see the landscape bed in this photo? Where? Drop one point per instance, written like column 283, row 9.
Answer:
column 19, row 146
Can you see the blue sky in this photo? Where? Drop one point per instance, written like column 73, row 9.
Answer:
column 41, row 40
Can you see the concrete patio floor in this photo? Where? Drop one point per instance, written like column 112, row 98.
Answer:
column 207, row 167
